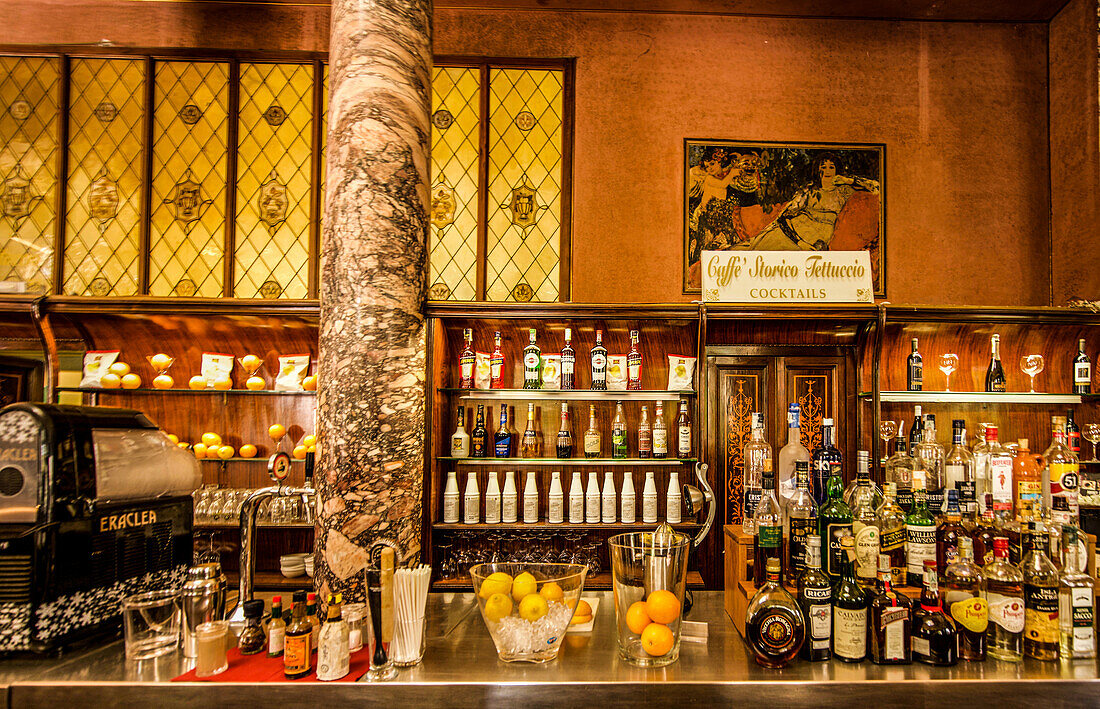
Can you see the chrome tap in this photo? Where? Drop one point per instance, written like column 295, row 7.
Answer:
column 695, row 500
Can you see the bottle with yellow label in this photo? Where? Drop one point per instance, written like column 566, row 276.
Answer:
column 1040, row 598
column 1027, row 474
column 1061, row 475
column 964, row 602
column 297, row 649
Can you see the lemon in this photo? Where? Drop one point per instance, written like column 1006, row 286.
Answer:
column 551, row 591
column 532, row 607
column 498, row 606
column 498, row 582
column 524, row 585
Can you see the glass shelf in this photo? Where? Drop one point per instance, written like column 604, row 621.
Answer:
column 543, row 526
column 973, row 397
column 652, row 462
column 256, row 459
column 195, row 392
column 568, row 395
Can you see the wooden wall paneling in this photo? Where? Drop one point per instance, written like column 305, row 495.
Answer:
column 438, row 438
column 739, row 386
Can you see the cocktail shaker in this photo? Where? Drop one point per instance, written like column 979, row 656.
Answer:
column 203, row 597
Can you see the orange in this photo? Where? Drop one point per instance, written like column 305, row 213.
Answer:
column 637, row 618
column 299, row 453
column 310, row 383
column 120, row 369
column 662, row 607
column 276, row 431
column 657, row 640
column 247, row 451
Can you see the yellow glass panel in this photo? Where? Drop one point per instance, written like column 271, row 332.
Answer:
column 190, row 131
column 525, row 147
column 28, row 171
column 324, row 167
column 104, row 191
column 274, row 181
column 456, row 126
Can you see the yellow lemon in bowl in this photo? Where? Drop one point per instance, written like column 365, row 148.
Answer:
column 497, row 606
column 161, row 362
column 532, row 607
column 498, row 582
column 524, row 585
column 551, row 591
column 163, row 381
column 255, row 383
column 131, row 381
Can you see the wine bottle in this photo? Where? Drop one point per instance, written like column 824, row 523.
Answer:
column 593, row 446
column 565, row 436
column 915, row 368
column 995, row 374
column 502, row 439
column 618, row 432
column 1082, row 370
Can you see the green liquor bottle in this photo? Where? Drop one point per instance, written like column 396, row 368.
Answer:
column 834, row 522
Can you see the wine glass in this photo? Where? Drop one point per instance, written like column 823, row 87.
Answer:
column 948, row 364
column 1031, row 365
column 886, row 431
column 1091, row 432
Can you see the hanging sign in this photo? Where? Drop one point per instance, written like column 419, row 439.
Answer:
column 787, row 277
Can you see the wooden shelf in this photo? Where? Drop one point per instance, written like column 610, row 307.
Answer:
column 256, row 459
column 597, row 581
column 652, row 462
column 272, row 581
column 564, row 527
column 974, row 397
column 194, row 392
column 233, row 527
column 567, row 395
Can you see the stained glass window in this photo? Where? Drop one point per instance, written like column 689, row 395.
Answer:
column 190, row 134
column 28, row 172
column 275, row 146
column 103, row 222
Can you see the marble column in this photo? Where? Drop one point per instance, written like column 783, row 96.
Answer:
column 370, row 406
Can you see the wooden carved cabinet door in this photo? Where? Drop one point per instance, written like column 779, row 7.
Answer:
column 819, row 386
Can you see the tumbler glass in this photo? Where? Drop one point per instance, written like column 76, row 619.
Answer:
column 211, row 641
column 152, row 624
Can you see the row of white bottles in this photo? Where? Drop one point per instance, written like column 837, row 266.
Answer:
column 586, row 503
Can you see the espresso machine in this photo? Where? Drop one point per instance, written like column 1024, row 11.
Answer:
column 95, row 505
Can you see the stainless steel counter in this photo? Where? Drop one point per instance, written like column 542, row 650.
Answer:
column 460, row 668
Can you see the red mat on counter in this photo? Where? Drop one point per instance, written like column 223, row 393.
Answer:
column 261, row 668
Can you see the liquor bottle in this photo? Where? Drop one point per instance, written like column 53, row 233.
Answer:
column 607, row 499
column 1000, row 476
column 450, row 499
column 649, row 499
column 915, row 368
column 1076, row 593
column 471, row 501
column 892, row 532
column 899, row 470
column 1082, row 370
column 791, row 454
column 593, row 446
column 599, row 364
column 502, row 439
column 865, row 529
column 834, row 522
column 774, row 626
column 891, row 624
column 618, row 432
column 467, row 361
column 850, row 605
column 555, row 500
column 983, row 534
column 314, row 621
column 916, row 431
column 980, row 456
column 576, row 499
column 768, row 523
column 1004, row 594
column 1040, row 598
column 460, row 440
column 757, row 457
column 492, row 499
column 297, row 650
column 815, row 597
column 645, row 435
column 935, row 640
column 801, row 520
column 628, row 501
column 530, row 445
column 822, row 460
column 963, row 595
column 1026, row 472
column 673, row 501
column 995, row 373
column 565, row 436
column 958, row 469
column 949, row 534
column 333, row 656
column 683, row 433
column 276, row 629
column 659, row 432
column 479, row 438
column 634, row 363
column 1061, row 475
column 929, row 461
column 509, row 499
column 530, row 500
column 592, row 499
column 496, row 364
column 568, row 363
column 920, row 536
column 532, row 363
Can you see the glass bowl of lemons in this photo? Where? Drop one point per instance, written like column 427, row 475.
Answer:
column 527, row 607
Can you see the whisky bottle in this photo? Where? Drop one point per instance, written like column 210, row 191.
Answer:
column 891, row 527
column 531, row 500
column 958, row 470
column 1076, row 593
column 899, row 470
column 471, row 501
column 915, row 369
column 815, row 598
column 1082, row 370
column 565, row 436
column 628, row 501
column 891, row 624
column 916, row 431
column 1061, row 477
column 599, row 364
column 530, row 445
column 920, row 537
column 768, row 522
column 634, row 363
column 1040, row 598
column 502, row 439
column 592, row 443
column 774, row 626
column 949, row 534
column 1004, row 595
column 618, row 432
column 509, row 499
column 576, row 499
column 492, row 499
column 555, row 500
column 790, row 454
column 450, row 499
column 935, row 641
column 1073, row 435
column 863, row 463
column 683, row 433
column 479, row 438
column 995, row 373
column 865, row 529
column 834, row 522
column 496, row 364
column 460, row 440
column 983, row 534
column 757, row 457
column 1028, row 478
column 928, row 466
column 801, row 518
column 568, row 363
column 467, row 360
column 963, row 594
column 850, row 606
column 645, row 435
column 660, row 433
column 532, row 363
column 822, row 460
column 592, row 502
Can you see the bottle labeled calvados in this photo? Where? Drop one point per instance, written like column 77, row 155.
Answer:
column 774, row 625
column 849, row 609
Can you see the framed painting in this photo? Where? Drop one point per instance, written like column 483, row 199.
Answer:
column 784, row 196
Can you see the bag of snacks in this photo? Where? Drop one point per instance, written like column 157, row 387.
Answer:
column 292, row 370
column 214, row 367
column 551, row 371
column 96, row 364
column 482, row 372
column 616, row 372
column 681, row 373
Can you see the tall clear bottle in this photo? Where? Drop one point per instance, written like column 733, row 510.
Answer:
column 1040, row 597
column 1076, row 596
column 532, row 363
column 965, row 604
column 555, row 500
column 958, row 469
column 863, row 460
column 758, row 459
column 891, row 526
column 593, row 444
column 865, row 529
column 899, row 470
column 800, row 514
column 592, row 502
column 1003, row 589
column 791, row 453
column 916, row 431
column 607, row 498
column 929, row 459
column 768, row 523
column 628, row 500
column 823, row 458
column 509, row 499
column 1001, row 485
column 979, row 454
column 492, row 499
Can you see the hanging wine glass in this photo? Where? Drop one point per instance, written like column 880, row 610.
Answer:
column 948, row 364
column 1031, row 365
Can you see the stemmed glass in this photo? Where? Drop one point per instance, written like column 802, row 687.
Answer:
column 1031, row 365
column 887, row 430
column 948, row 364
column 1091, row 432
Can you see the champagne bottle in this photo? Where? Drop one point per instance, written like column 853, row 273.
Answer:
column 995, row 373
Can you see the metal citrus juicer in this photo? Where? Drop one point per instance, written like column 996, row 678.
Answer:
column 658, row 570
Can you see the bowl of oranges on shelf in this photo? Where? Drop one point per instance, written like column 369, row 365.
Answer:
column 528, row 607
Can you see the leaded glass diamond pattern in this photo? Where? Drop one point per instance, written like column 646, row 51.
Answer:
column 28, row 170
column 521, row 154
column 455, row 155
column 188, row 202
column 104, row 190
column 277, row 156
column 324, row 166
